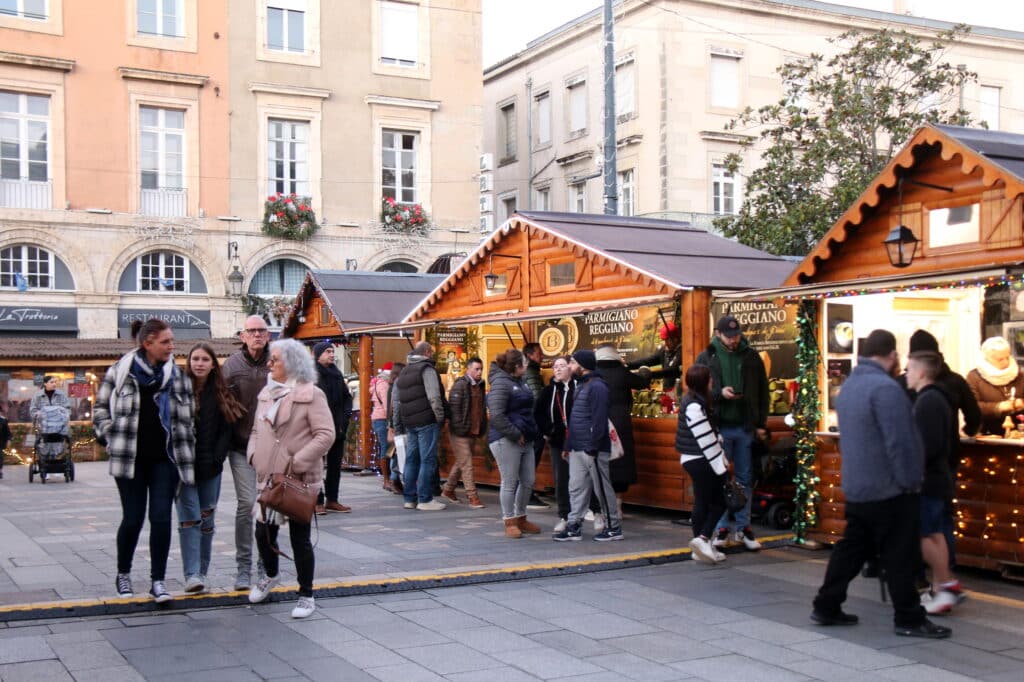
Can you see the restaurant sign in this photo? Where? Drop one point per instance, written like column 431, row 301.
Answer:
column 189, row 324
column 37, row 319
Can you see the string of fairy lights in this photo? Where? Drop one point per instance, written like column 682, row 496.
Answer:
column 806, row 416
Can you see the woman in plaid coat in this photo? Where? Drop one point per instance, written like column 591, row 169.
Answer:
column 143, row 413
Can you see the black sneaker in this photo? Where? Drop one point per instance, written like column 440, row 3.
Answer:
column 572, row 533
column 609, row 535
column 536, row 503
column 124, row 585
column 925, row 628
column 838, row 618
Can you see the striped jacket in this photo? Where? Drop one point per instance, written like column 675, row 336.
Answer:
column 115, row 417
column 696, row 435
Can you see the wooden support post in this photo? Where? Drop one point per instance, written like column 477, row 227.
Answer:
column 366, row 371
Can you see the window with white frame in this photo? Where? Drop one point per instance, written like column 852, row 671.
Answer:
column 24, row 137
column 626, row 192
column 990, row 96
column 542, row 199
column 725, row 81
column 398, row 165
column 399, row 33
column 724, row 190
column 542, row 105
column 162, row 148
column 163, row 271
column 288, row 157
column 625, row 89
column 286, row 25
column 161, row 18
column 578, row 197
column 26, row 9
column 26, row 266
column 507, row 120
column 577, row 96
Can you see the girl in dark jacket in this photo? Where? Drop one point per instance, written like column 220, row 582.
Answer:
column 511, row 435
column 701, row 454
column 216, row 410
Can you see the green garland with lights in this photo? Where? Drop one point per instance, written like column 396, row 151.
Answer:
column 807, row 415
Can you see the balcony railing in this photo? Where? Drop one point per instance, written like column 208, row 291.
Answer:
column 164, row 203
column 22, row 193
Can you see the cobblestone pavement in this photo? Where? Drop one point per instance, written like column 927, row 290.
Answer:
column 57, row 541
column 681, row 621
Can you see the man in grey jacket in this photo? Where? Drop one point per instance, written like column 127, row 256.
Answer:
column 245, row 373
column 882, row 472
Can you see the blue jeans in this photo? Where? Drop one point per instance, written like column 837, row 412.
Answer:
column 739, row 444
column 420, row 462
column 197, row 505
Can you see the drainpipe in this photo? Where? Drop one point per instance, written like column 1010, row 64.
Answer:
column 529, row 144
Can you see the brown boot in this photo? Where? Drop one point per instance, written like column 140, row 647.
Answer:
column 474, row 501
column 512, row 528
column 527, row 527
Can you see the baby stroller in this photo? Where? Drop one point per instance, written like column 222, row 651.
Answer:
column 53, row 445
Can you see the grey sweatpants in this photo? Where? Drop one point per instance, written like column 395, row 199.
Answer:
column 586, row 473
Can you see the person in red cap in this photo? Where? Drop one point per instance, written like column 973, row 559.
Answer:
column 668, row 356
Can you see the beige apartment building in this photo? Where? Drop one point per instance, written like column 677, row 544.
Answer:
column 139, row 140
column 683, row 70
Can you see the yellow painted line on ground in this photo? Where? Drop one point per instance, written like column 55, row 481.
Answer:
column 366, row 582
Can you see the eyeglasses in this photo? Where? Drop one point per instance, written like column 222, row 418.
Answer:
column 262, row 330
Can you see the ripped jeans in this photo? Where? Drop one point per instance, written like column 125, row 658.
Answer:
column 197, row 506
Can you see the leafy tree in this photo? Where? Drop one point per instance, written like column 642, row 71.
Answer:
column 839, row 123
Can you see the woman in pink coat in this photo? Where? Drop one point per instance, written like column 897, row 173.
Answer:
column 293, row 426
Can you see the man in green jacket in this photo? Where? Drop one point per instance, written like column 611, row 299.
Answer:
column 739, row 390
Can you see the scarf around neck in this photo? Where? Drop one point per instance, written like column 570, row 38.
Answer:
column 998, row 377
column 277, row 393
column 158, row 376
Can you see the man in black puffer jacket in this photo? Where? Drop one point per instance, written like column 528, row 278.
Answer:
column 331, row 381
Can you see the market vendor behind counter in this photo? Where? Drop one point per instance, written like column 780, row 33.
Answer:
column 998, row 385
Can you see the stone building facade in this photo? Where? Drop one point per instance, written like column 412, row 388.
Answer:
column 684, row 69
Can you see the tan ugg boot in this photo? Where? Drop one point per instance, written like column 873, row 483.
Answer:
column 512, row 528
column 527, row 527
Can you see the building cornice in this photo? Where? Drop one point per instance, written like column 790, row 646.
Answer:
column 385, row 100
column 290, row 90
column 719, row 136
column 129, row 72
column 37, row 62
column 573, row 158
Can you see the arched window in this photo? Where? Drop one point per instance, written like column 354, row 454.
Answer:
column 281, row 277
column 397, row 266
column 162, row 272
column 24, row 266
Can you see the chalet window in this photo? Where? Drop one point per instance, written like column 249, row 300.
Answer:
column 500, row 287
column 953, row 226
column 561, row 274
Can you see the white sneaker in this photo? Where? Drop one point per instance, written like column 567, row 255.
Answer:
column 305, row 608
column 746, row 537
column 195, row 583
column 938, row 603
column 701, row 550
column 159, row 592
column 261, row 590
column 560, row 526
column 721, row 538
column 433, row 505
column 599, row 523
column 719, row 557
column 589, row 516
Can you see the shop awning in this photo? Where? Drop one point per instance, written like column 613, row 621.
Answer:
column 45, row 348
column 513, row 316
column 948, row 279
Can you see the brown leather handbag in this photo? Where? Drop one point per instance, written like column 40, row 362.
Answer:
column 289, row 496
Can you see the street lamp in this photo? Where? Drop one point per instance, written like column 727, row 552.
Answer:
column 901, row 246
column 236, row 278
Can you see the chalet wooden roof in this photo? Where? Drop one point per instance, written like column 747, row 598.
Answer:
column 668, row 254
column 997, row 156
column 363, row 299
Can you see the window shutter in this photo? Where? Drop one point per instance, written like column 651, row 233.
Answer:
column 514, row 289
column 538, row 277
column 584, row 274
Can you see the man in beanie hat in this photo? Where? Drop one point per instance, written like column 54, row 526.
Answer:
column 739, row 390
column 589, row 449
column 332, row 383
column 669, row 357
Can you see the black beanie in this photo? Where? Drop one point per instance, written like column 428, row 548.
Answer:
column 923, row 341
column 585, row 359
column 319, row 349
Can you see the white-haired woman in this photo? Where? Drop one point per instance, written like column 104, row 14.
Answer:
column 293, row 427
column 998, row 385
